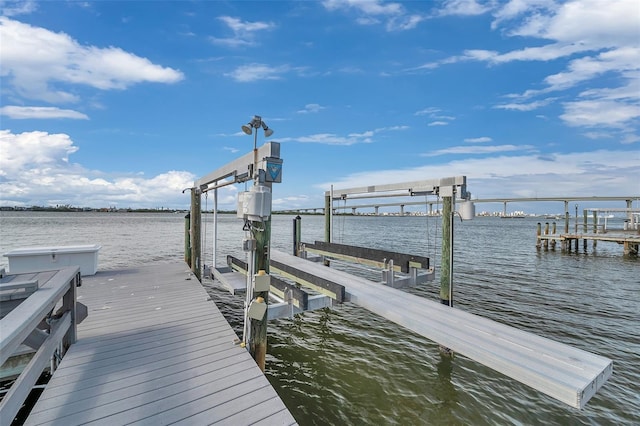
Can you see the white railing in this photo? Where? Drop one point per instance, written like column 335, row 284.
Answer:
column 34, row 323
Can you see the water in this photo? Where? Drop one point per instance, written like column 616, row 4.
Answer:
column 348, row 366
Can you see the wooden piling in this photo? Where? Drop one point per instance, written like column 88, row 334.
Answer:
column 585, row 218
column 297, row 234
column 258, row 341
column 538, row 239
column 546, row 232
column 595, row 227
column 553, row 232
column 446, row 261
column 196, row 218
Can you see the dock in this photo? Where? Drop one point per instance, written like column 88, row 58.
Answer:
column 630, row 242
column 155, row 349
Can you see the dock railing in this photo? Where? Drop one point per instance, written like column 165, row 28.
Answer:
column 34, row 324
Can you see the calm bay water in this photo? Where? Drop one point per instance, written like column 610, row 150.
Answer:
column 347, row 366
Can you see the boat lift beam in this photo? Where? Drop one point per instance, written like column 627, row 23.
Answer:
column 566, row 373
column 241, row 169
column 423, row 187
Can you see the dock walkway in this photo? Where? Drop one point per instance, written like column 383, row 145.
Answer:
column 155, row 350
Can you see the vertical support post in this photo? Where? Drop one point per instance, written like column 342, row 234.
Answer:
column 538, row 233
column 446, row 261
column 258, row 334
column 297, row 235
column 504, row 209
column 196, row 217
column 187, row 239
column 576, row 231
column 546, row 233
column 446, row 265
column 584, row 228
column 327, row 218
column 69, row 304
column 595, row 228
column 553, row 232
column 566, row 218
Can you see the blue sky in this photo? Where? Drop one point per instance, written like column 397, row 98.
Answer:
column 126, row 103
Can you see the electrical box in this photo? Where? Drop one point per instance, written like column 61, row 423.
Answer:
column 249, row 244
column 255, row 204
column 257, row 309
column 261, row 281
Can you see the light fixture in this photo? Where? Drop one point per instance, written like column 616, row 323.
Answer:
column 267, row 131
column 247, row 128
column 256, row 123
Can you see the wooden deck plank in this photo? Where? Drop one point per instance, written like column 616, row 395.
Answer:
column 153, row 343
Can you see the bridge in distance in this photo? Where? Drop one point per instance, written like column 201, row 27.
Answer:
column 402, row 204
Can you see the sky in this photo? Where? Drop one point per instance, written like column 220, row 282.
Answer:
column 126, row 103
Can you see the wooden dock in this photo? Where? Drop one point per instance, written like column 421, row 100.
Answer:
column 629, row 241
column 155, row 349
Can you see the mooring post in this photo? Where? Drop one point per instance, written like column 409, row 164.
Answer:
column 595, row 228
column 297, row 234
column 553, row 232
column 566, row 218
column 258, row 342
column 584, row 228
column 196, row 217
column 538, row 239
column 446, row 261
column 187, row 239
column 546, row 233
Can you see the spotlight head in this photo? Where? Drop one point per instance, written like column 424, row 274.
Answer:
column 267, row 132
column 247, row 128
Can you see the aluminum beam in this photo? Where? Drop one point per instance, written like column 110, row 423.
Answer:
column 561, row 371
column 423, row 187
column 241, row 166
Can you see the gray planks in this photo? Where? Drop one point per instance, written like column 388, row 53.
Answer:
column 155, row 350
column 568, row 374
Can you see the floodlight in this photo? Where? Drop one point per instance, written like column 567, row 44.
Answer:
column 247, row 128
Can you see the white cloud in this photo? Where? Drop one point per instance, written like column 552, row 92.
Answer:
column 372, row 12
column 20, row 112
column 471, row 150
column 243, row 32
column 14, row 8
column 329, row 139
column 311, row 108
column 481, row 139
column 33, row 149
column 351, row 139
column 592, row 113
column 35, row 169
column 464, row 7
column 525, row 106
column 256, row 72
column 438, row 123
column 41, row 64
